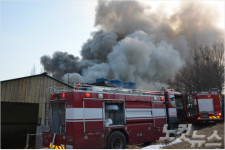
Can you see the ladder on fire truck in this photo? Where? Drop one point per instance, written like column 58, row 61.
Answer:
column 114, row 89
column 87, row 87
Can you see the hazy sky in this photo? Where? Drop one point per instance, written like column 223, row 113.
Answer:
column 33, row 28
column 30, row 29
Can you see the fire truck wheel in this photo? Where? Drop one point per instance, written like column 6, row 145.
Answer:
column 116, row 140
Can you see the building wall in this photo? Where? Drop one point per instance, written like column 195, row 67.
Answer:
column 30, row 90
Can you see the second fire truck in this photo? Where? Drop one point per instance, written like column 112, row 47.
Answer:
column 204, row 106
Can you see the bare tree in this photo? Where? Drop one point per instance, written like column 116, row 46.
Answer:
column 203, row 70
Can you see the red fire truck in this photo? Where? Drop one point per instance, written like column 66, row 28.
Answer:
column 204, row 106
column 100, row 117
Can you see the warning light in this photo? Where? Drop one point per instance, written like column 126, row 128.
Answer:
column 63, row 95
column 87, row 95
column 209, row 96
column 218, row 114
column 162, row 98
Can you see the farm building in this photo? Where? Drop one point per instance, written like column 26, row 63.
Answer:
column 23, row 103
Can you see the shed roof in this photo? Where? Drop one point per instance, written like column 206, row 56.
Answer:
column 42, row 74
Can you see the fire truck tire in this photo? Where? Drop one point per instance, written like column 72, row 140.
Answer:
column 116, row 140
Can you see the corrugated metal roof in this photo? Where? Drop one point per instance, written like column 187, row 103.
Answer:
column 42, row 74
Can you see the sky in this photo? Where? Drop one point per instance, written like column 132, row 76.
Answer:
column 33, row 28
column 30, row 29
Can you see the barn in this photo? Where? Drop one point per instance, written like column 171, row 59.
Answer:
column 23, row 103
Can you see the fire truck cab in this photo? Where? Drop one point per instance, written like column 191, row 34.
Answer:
column 203, row 106
column 100, row 117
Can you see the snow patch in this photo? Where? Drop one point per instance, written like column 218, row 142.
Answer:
column 162, row 145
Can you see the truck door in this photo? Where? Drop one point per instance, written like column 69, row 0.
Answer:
column 93, row 123
column 174, row 108
column 57, row 119
column 180, row 107
column 159, row 112
column 192, row 106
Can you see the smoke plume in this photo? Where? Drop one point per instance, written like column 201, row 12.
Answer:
column 137, row 44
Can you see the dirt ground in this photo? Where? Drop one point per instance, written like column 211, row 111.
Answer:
column 204, row 129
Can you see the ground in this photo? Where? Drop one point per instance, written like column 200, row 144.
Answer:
column 202, row 129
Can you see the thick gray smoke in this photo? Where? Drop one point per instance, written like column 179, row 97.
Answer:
column 136, row 44
column 138, row 58
column 100, row 46
column 60, row 63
